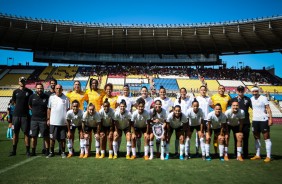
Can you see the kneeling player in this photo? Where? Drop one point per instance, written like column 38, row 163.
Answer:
column 90, row 123
column 217, row 126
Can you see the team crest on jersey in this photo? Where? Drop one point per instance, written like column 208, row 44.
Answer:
column 44, row 100
column 158, row 130
column 245, row 102
column 26, row 94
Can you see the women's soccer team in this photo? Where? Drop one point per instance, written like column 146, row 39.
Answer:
column 108, row 117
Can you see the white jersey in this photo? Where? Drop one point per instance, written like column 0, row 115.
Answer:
column 76, row 119
column 216, row 121
column 204, row 104
column 106, row 117
column 175, row 122
column 195, row 119
column 129, row 101
column 259, row 111
column 123, row 119
column 167, row 103
column 91, row 121
column 184, row 104
column 162, row 116
column 59, row 106
column 148, row 102
column 140, row 120
column 232, row 118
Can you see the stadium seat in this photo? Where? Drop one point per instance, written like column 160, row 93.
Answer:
column 212, row 85
column 4, row 103
column 45, row 73
column 189, row 84
column 230, row 83
column 12, row 79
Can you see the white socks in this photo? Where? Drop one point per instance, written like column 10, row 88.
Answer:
column 115, row 147
column 82, row 146
column 226, row 151
column 221, row 150
column 207, row 149
column 128, row 147
column 187, row 146
column 146, row 150
column 103, row 152
column 167, row 149
column 86, row 141
column 202, row 143
column 97, row 144
column 69, row 144
column 151, row 149
column 110, row 152
column 268, row 145
column 181, row 149
column 163, row 144
column 239, row 151
column 257, row 145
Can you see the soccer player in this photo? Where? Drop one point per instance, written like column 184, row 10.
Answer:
column 122, row 123
column 91, row 122
column 21, row 117
column 74, row 121
column 184, row 101
column 159, row 115
column 58, row 105
column 107, row 128
column 224, row 101
column 10, row 112
column 140, row 120
column 77, row 94
column 94, row 95
column 196, row 117
column 38, row 104
column 244, row 103
column 235, row 121
column 177, row 121
column 205, row 103
column 129, row 100
column 53, row 83
column 112, row 99
column 217, row 125
column 262, row 120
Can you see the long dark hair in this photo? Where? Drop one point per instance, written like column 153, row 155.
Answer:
column 180, row 117
column 179, row 99
column 154, row 110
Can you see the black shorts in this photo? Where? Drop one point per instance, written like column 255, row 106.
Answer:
column 58, row 132
column 73, row 128
column 107, row 129
column 197, row 128
column 235, row 129
column 10, row 120
column 260, row 126
column 215, row 131
column 125, row 130
column 88, row 129
column 141, row 130
column 21, row 123
column 38, row 126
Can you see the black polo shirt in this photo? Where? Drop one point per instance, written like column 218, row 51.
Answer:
column 39, row 107
column 49, row 93
column 21, row 98
column 245, row 103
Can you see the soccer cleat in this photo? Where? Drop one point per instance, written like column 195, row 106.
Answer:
column 146, row 158
column 97, row 155
column 12, row 153
column 69, row 155
column 256, row 157
column 162, row 157
column 158, row 154
column 81, row 155
column 208, row 158
column 50, row 155
column 167, row 157
column 176, row 155
column 63, row 155
column 28, row 154
column 127, row 157
column 110, row 156
column 115, row 157
column 226, row 158
column 187, row 157
column 203, row 158
column 181, row 157
column 102, row 156
column 239, row 158
column 151, row 158
column 33, row 154
column 86, row 156
column 132, row 157
column 221, row 159
column 267, row 159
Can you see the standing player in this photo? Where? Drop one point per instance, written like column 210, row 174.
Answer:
column 74, row 121
column 216, row 125
column 177, row 121
column 10, row 112
column 112, row 99
column 107, row 128
column 196, row 117
column 38, row 104
column 58, row 106
column 224, row 101
column 159, row 115
column 184, row 101
column 235, row 121
column 91, row 122
column 140, row 120
column 77, row 94
column 122, row 119
column 129, row 100
column 94, row 95
column 21, row 118
column 244, row 103
column 262, row 120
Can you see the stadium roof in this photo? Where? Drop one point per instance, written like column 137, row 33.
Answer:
column 234, row 37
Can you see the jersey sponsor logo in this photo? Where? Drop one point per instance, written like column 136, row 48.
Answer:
column 158, row 130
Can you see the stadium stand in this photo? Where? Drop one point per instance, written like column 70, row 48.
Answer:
column 68, row 85
column 103, row 81
column 21, row 71
column 212, row 85
column 271, row 89
column 65, row 73
column 6, row 92
column 276, row 113
column 45, row 73
column 4, row 103
column 12, row 80
column 169, row 84
column 190, row 85
column 3, row 73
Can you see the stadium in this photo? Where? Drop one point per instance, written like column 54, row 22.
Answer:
column 151, row 55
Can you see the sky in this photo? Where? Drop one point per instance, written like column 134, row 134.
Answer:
column 128, row 12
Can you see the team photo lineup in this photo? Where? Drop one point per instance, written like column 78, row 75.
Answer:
column 98, row 119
